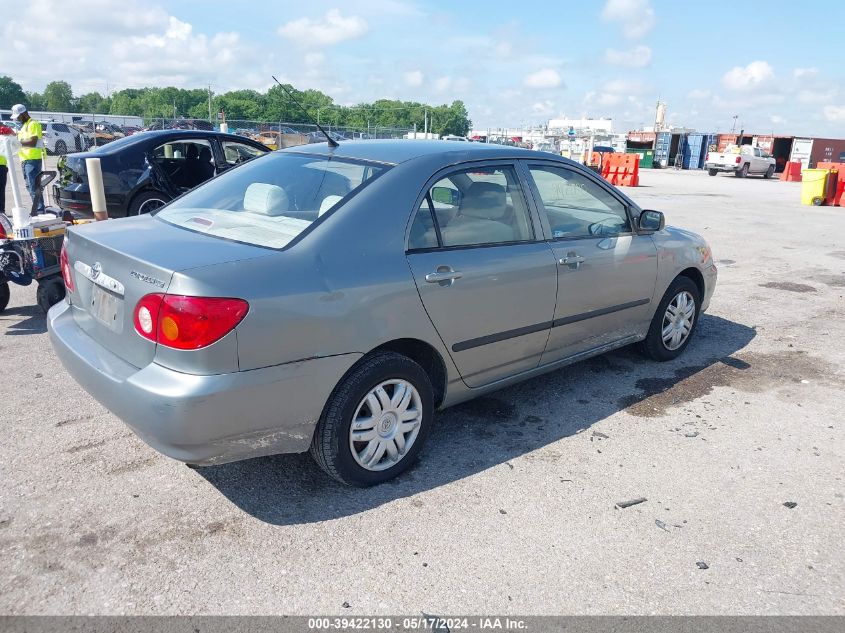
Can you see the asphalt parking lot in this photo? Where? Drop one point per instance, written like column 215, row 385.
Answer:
column 512, row 506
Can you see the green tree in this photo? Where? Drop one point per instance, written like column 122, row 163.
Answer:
column 10, row 92
column 35, row 101
column 93, row 103
column 58, row 96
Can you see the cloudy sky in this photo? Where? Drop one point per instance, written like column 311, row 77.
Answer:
column 774, row 64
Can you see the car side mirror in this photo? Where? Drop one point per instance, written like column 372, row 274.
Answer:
column 445, row 195
column 652, row 220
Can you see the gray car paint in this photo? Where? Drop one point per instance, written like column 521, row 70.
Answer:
column 319, row 305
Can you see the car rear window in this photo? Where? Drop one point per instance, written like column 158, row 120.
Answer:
column 270, row 200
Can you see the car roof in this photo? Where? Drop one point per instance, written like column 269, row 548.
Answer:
column 154, row 135
column 397, row 151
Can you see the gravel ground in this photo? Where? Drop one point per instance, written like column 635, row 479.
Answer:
column 511, row 509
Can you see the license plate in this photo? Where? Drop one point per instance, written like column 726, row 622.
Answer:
column 104, row 306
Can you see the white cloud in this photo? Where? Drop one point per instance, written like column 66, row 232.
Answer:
column 625, row 86
column 637, row 57
column 544, row 78
column 698, row 93
column 332, row 28
column 314, row 59
column 414, row 78
column 442, row 84
column 636, row 16
column 776, row 118
column 834, row 113
column 747, row 77
column 543, row 108
column 805, row 72
column 815, row 96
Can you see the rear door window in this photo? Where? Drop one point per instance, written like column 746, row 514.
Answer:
column 186, row 162
column 239, row 152
column 473, row 207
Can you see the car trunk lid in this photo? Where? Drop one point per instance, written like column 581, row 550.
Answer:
column 117, row 262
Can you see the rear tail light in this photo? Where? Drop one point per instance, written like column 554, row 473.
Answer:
column 707, row 157
column 187, row 323
column 67, row 273
column 738, row 160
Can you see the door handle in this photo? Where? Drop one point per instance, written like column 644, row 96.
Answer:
column 443, row 274
column 571, row 259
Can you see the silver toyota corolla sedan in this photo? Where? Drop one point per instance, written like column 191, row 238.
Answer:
column 332, row 299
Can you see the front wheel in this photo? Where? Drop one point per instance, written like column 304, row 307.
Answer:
column 375, row 422
column 674, row 321
column 742, row 173
column 712, row 172
column 61, row 148
column 769, row 172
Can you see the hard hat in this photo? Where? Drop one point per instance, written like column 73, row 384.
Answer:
column 17, row 110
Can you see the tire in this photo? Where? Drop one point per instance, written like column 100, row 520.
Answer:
column 61, row 148
column 817, row 202
column 4, row 295
column 332, row 446
column 49, row 293
column 769, row 172
column 742, row 173
column 147, row 201
column 654, row 345
column 712, row 172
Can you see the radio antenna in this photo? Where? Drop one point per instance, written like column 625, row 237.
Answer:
column 332, row 142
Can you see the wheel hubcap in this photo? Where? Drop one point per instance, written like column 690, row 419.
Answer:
column 385, row 425
column 150, row 205
column 678, row 320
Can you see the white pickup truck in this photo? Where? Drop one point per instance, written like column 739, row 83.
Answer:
column 741, row 161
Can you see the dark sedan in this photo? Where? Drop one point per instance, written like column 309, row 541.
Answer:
column 144, row 171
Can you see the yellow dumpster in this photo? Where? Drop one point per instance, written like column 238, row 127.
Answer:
column 813, row 186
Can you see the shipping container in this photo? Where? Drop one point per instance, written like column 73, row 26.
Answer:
column 827, row 150
column 694, row 149
column 642, row 137
column 725, row 140
column 662, row 145
column 801, row 149
column 764, row 143
column 781, row 150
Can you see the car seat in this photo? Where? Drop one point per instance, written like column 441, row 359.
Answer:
column 264, row 199
column 479, row 218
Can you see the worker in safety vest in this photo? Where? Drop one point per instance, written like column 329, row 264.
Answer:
column 31, row 152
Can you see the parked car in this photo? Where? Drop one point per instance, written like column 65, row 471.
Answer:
column 741, row 160
column 144, row 171
column 60, row 138
column 331, row 299
column 453, row 137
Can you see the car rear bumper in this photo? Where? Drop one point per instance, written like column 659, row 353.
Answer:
column 202, row 420
column 719, row 167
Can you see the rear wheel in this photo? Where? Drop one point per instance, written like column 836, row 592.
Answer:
column 742, row 173
column 674, row 321
column 769, row 172
column 61, row 148
column 712, row 172
column 49, row 293
column 375, row 422
column 4, row 295
column 147, row 201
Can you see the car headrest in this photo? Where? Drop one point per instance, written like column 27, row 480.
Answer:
column 192, row 152
column 327, row 203
column 265, row 199
column 205, row 155
column 484, row 200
